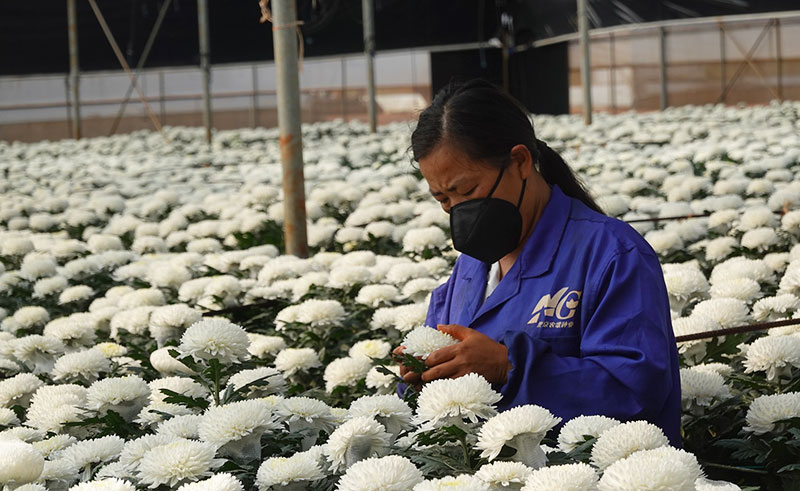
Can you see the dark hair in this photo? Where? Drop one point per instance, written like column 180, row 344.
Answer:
column 486, row 123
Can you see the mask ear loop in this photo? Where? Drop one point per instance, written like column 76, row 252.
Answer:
column 522, row 193
column 496, row 183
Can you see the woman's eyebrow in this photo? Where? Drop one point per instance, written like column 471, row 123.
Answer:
column 451, row 189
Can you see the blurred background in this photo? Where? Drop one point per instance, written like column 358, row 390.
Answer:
column 643, row 55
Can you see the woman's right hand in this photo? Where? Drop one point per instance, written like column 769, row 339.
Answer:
column 410, row 377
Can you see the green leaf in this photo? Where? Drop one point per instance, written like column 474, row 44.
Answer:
column 184, row 400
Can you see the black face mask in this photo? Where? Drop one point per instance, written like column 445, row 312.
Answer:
column 487, row 228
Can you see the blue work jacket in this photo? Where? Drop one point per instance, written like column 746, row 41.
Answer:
column 585, row 316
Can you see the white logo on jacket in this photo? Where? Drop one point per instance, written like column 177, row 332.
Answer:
column 560, row 305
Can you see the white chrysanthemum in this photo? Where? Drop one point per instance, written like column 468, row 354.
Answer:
column 462, row 482
column 15, row 246
column 388, row 409
column 49, row 286
column 110, row 484
column 370, row 348
column 236, row 428
column 757, row 217
column 720, row 248
column 744, row 289
column 52, row 406
column 683, row 284
column 166, row 364
column 261, row 345
column 277, row 472
column 444, row 402
column 659, row 469
column 348, row 276
column 760, row 239
column 742, row 267
column 37, row 266
column 377, row 295
column 402, row 273
column 168, row 275
column 418, row 240
column 141, row 297
column 504, row 475
column 215, row 338
column 86, row 365
column 775, row 308
column 355, row 440
column 178, row 461
column 703, row 484
column 123, row 395
column 701, row 387
column 774, row 355
column 75, row 294
column 722, row 369
column 87, row 452
column 20, row 463
column 390, row 473
column 133, row 450
column 568, row 477
column 726, row 312
column 185, row 426
column 664, row 242
column 346, row 371
column 319, row 312
column 521, row 428
column 767, row 410
column 37, row 353
column 134, row 321
column 624, row 439
column 291, row 360
column 266, row 381
column 31, row 316
column 380, row 381
column 217, row 482
column 8, row 417
column 18, row 389
column 56, row 443
column 419, row 288
column 302, row 413
column 424, row 340
column 170, row 321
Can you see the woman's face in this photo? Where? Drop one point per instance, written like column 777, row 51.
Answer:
column 453, row 177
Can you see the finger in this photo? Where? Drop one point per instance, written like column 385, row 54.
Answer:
column 399, row 350
column 441, row 355
column 458, row 332
column 412, row 378
column 445, row 370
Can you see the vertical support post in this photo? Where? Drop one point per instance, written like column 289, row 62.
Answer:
column 612, row 72
column 344, row 88
column 368, row 14
column 68, row 105
column 205, row 65
column 161, row 98
column 662, row 66
column 74, row 70
column 291, row 136
column 586, row 67
column 254, row 101
column 779, row 57
column 723, row 64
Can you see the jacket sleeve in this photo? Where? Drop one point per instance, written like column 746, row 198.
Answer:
column 627, row 361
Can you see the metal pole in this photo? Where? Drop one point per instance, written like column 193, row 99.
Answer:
column 291, row 137
column 613, row 72
column 779, row 57
column 723, row 64
column 67, row 105
column 662, row 65
column 254, row 101
column 344, row 89
column 368, row 14
column 74, row 70
column 161, row 101
column 586, row 67
column 205, row 66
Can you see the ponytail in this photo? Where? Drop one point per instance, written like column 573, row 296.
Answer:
column 555, row 170
column 486, row 123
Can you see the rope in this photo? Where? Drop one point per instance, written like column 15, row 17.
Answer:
column 266, row 16
column 782, row 212
column 737, row 330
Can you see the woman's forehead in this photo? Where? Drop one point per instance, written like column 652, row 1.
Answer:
column 447, row 162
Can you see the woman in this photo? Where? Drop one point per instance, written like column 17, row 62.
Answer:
column 554, row 302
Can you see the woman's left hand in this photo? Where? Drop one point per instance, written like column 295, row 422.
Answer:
column 476, row 353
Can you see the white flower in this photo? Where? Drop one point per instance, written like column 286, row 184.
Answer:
column 767, row 410
column 504, row 475
column 624, row 439
column 170, row 321
column 664, row 242
column 377, row 295
column 276, row 472
column 49, row 286
column 291, row 360
column 135, row 321
column 319, row 312
column 266, row 381
column 8, row 417
column 742, row 267
column 402, row 273
column 217, row 482
column 345, row 371
column 703, row 484
column 143, row 296
column 568, row 477
column 31, row 316
column 383, row 382
column 521, row 428
column 744, row 289
column 370, row 348
column 773, row 355
column 185, row 426
column 775, row 308
column 15, row 246
column 261, row 345
column 175, row 462
column 303, row 413
column 110, row 484
column 757, row 217
column 162, row 361
column 355, row 440
column 463, row 482
column 87, row 452
column 702, row 386
column 722, row 369
column 124, row 395
column 236, row 428
column 720, row 248
column 445, row 402
column 133, row 450
column 418, row 240
column 36, row 266
column 390, row 473
column 100, row 242
column 215, row 338
column 75, row 294
column 423, row 341
column 20, row 462
column 760, row 239
column 664, row 468
column 53, row 444
column 389, row 410
column 18, row 389
column 37, row 352
column 348, row 276
column 52, row 406
column 86, row 365
column 419, row 288
column 726, row 312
